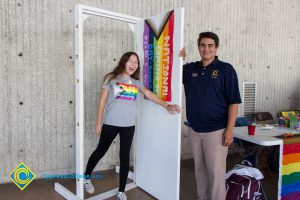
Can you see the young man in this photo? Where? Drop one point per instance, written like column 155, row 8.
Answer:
column 212, row 98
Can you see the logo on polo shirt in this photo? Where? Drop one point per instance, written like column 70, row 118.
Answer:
column 215, row 73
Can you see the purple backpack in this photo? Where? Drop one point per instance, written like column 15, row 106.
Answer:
column 240, row 187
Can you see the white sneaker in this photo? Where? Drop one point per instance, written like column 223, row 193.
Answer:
column 121, row 196
column 88, row 186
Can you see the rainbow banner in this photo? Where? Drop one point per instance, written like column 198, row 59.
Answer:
column 290, row 187
column 158, row 55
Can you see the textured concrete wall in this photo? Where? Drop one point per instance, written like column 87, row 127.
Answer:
column 37, row 108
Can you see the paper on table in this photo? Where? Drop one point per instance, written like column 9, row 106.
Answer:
column 265, row 126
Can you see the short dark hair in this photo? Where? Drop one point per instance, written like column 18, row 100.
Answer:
column 209, row 35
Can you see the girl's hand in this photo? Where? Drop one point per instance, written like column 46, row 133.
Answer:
column 182, row 53
column 173, row 108
column 98, row 130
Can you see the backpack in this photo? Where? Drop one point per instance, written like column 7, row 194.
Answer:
column 243, row 182
column 242, row 187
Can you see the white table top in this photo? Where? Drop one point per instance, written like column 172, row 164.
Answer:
column 262, row 136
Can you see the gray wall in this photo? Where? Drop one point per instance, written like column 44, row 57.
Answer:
column 37, row 102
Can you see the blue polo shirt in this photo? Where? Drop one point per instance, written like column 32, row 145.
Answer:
column 209, row 91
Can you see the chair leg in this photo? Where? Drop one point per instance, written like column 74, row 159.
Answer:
column 265, row 163
column 269, row 170
column 263, row 192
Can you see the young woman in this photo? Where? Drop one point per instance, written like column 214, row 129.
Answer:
column 118, row 96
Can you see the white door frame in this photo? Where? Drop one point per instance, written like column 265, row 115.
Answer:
column 82, row 12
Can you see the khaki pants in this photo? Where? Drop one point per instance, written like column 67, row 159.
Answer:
column 210, row 164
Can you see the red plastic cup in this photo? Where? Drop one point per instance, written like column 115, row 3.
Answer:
column 251, row 130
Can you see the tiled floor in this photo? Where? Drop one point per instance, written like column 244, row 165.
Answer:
column 44, row 189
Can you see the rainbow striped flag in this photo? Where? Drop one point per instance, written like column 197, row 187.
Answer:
column 158, row 55
column 130, row 92
column 290, row 187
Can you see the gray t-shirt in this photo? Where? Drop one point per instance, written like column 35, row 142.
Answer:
column 121, row 105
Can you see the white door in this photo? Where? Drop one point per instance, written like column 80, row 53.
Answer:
column 158, row 139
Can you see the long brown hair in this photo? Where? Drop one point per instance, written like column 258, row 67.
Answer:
column 119, row 69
